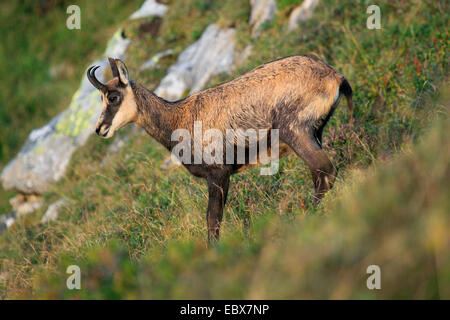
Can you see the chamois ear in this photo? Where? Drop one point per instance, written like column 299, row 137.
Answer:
column 115, row 71
column 119, row 69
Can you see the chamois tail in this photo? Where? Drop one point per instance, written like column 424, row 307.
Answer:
column 346, row 89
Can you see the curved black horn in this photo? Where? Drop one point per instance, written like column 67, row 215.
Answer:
column 91, row 76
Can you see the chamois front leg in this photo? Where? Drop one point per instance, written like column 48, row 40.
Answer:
column 218, row 191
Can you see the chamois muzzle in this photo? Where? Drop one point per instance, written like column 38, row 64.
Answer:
column 91, row 76
column 102, row 130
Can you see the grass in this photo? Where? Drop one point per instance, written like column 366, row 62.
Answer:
column 138, row 231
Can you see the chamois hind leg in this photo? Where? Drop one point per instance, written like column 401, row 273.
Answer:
column 305, row 144
column 217, row 190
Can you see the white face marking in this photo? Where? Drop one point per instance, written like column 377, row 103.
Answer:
column 127, row 113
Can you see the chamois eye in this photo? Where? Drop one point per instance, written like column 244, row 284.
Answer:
column 113, row 99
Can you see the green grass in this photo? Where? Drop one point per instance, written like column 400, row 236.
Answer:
column 138, row 231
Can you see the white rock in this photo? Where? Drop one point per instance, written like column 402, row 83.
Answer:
column 116, row 47
column 9, row 220
column 302, row 13
column 153, row 61
column 211, row 55
column 6, row 221
column 53, row 210
column 262, row 11
column 150, row 8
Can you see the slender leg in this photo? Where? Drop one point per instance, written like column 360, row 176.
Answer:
column 218, row 191
column 306, row 146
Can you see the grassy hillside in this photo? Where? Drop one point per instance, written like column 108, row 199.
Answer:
column 396, row 217
column 138, row 231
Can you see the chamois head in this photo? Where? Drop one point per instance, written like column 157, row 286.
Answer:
column 119, row 107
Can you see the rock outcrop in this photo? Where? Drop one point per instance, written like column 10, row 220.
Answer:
column 7, row 220
column 211, row 55
column 262, row 11
column 53, row 210
column 153, row 61
column 150, row 8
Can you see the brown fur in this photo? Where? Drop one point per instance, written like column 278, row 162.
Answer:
column 296, row 95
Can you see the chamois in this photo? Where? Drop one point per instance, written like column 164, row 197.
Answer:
column 296, row 95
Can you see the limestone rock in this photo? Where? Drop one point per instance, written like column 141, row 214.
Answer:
column 302, row 13
column 211, row 55
column 150, row 8
column 153, row 61
column 262, row 11
column 6, row 220
column 53, row 210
